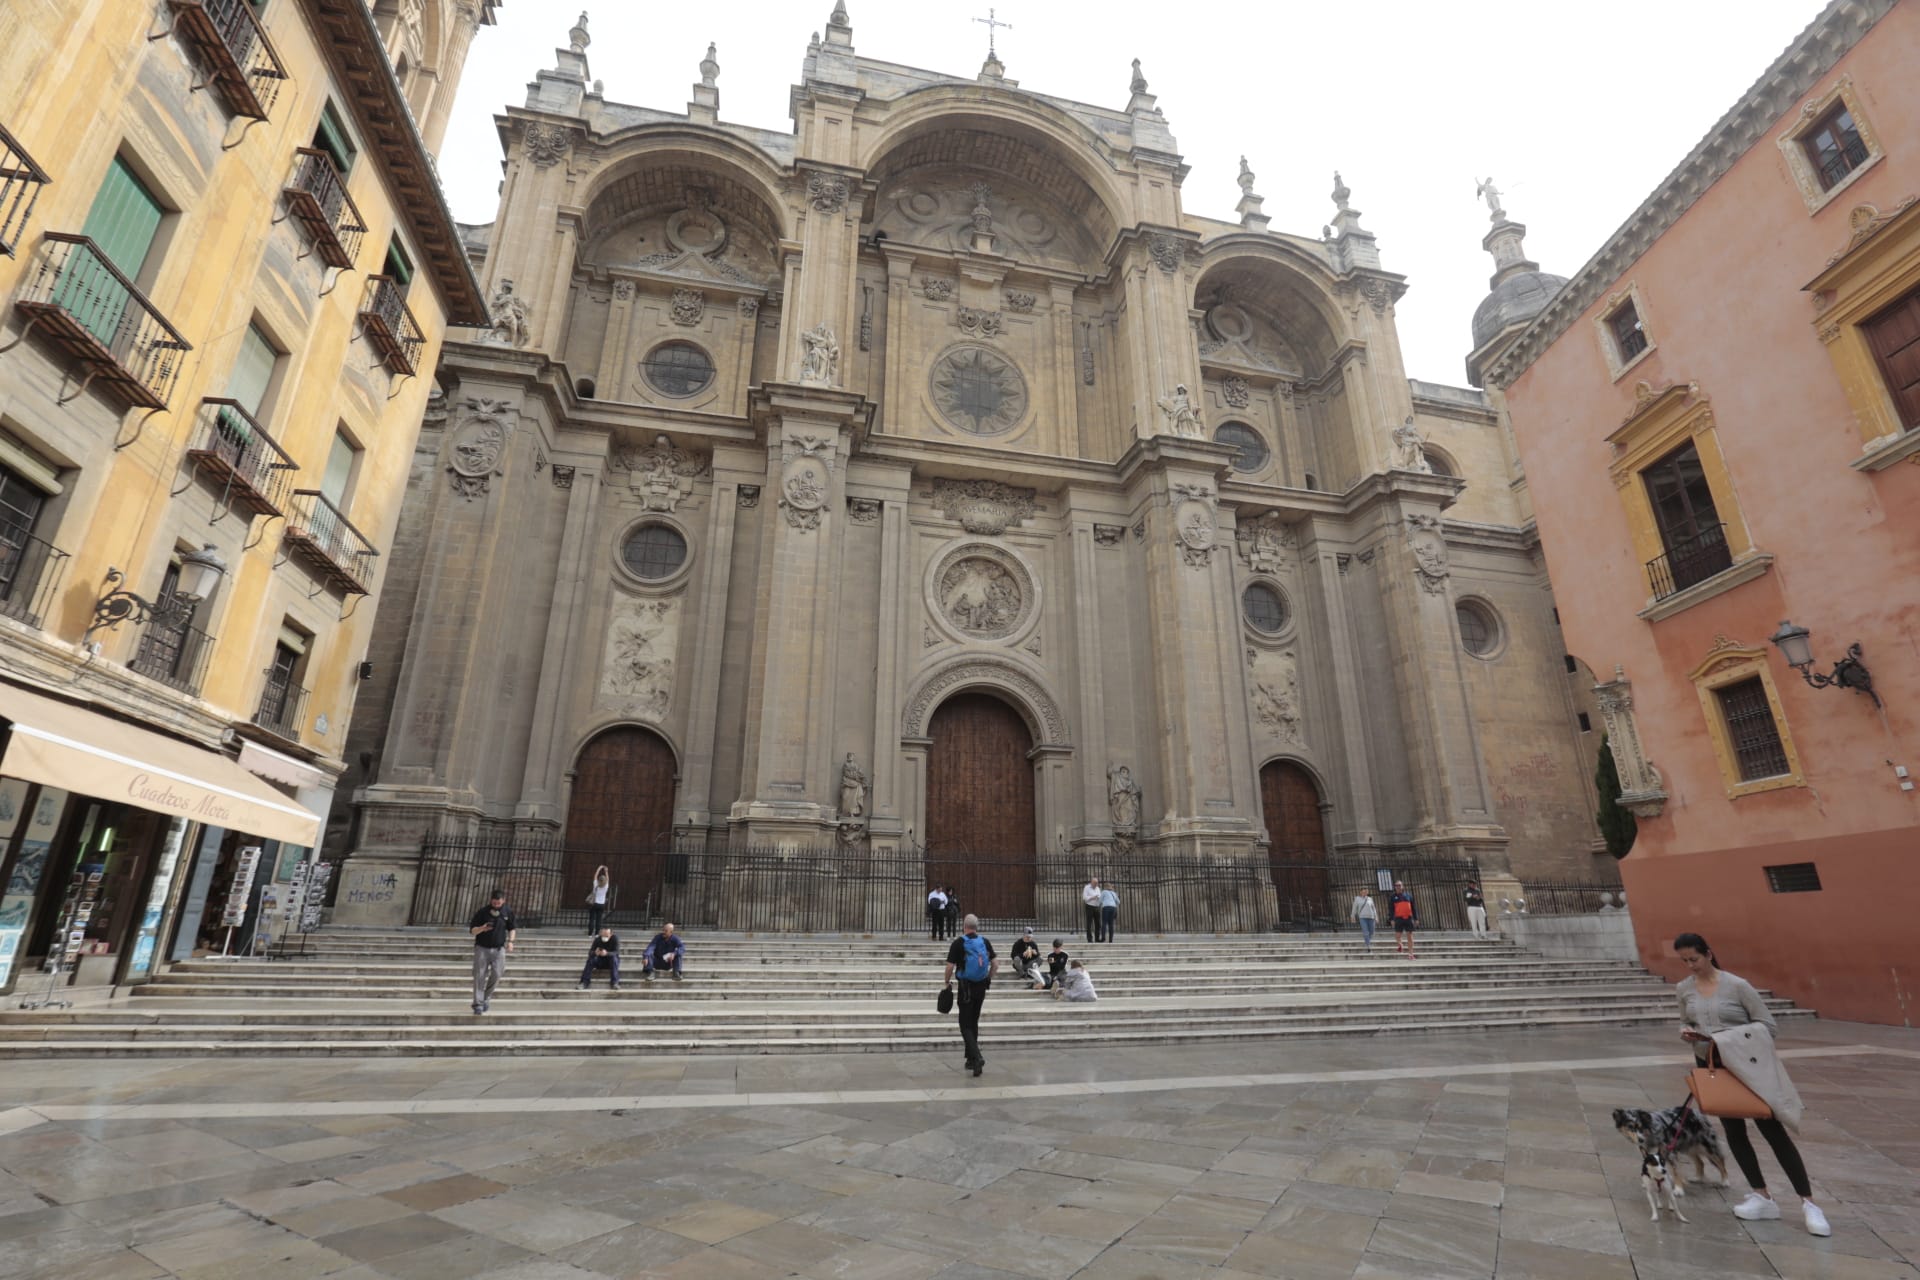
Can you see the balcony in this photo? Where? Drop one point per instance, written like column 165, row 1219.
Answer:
column 237, row 456
column 323, row 540
column 20, row 183
column 102, row 321
column 174, row 655
column 317, row 198
column 30, row 573
column 1689, row 561
column 1835, row 163
column 390, row 326
column 281, row 705
column 226, row 38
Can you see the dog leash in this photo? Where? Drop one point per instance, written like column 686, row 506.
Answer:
column 1674, row 1143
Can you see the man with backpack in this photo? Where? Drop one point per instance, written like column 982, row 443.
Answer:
column 971, row 956
column 1406, row 917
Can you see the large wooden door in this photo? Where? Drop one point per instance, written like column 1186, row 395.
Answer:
column 980, row 807
column 622, row 808
column 1296, row 839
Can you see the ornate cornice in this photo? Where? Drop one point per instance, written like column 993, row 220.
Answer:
column 1793, row 74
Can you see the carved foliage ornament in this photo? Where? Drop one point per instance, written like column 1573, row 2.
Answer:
column 1193, row 523
column 827, row 192
column 479, row 443
column 1429, row 552
column 988, row 672
column 662, row 474
column 1236, row 392
column 1166, row 252
column 689, row 306
column 545, row 144
column 975, row 323
column 1020, row 302
column 983, row 506
column 935, row 289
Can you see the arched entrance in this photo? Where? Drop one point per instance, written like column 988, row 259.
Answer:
column 622, row 806
column 980, row 806
column 1296, row 839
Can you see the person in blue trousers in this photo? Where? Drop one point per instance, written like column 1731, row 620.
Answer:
column 1109, row 911
column 1366, row 915
column 665, row 954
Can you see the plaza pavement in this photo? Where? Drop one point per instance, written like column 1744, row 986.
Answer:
column 1418, row 1156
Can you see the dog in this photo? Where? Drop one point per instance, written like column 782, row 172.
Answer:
column 1657, row 1178
column 1674, row 1132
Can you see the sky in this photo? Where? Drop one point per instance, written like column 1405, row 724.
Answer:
column 1576, row 109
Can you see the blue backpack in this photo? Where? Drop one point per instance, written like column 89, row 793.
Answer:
column 976, row 968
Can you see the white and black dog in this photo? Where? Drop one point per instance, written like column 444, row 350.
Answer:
column 1674, row 1132
column 1658, row 1180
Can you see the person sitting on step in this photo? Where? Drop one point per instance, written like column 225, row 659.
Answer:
column 602, row 953
column 1056, row 964
column 1075, row 984
column 665, row 954
column 1026, row 960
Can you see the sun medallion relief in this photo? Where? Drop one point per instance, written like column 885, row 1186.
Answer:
column 978, row 390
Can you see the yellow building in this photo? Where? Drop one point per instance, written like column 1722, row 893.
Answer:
column 225, row 272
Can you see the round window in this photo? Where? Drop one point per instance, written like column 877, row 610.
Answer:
column 654, row 552
column 1265, row 608
column 978, row 390
column 1253, row 449
column 677, row 369
column 1479, row 629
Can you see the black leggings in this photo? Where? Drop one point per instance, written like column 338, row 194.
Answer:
column 1783, row 1150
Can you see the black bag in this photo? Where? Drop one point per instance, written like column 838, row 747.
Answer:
column 944, row 1003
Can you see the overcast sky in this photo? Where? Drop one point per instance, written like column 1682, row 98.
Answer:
column 1576, row 109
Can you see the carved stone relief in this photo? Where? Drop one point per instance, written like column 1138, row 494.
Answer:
column 827, row 192
column 1107, row 535
column 689, row 306
column 1642, row 790
column 637, row 674
column 980, row 597
column 1429, row 548
column 983, row 506
column 623, row 291
column 866, row 317
column 1275, row 680
column 975, row 323
column 978, row 390
column 805, row 479
column 1086, row 353
column 562, row 477
column 1266, row 543
column 934, row 289
column 545, row 145
column 479, row 443
column 1023, row 226
column 1165, row 251
column 662, row 474
column 1231, row 336
column 863, row 510
column 1236, row 392
column 1020, row 302
column 1193, row 522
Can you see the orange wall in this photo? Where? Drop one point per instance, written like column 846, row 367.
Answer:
column 1724, row 305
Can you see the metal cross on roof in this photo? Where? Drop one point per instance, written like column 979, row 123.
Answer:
column 990, row 22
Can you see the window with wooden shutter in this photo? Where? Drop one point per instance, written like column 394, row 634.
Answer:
column 338, row 477
column 122, row 224
column 1894, row 336
column 331, row 137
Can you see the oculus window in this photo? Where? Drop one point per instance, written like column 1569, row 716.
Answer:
column 1253, row 452
column 654, row 552
column 1264, row 608
column 677, row 369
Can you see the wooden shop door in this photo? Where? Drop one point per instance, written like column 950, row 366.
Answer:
column 980, row 806
column 621, row 814
column 1296, row 839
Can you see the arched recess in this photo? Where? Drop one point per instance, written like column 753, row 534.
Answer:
column 1020, row 688
column 619, row 807
column 1293, row 813
column 654, row 165
column 981, row 823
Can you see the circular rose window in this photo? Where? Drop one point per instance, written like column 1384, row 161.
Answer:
column 677, row 369
column 654, row 552
column 1264, row 608
column 978, row 390
column 1253, row 450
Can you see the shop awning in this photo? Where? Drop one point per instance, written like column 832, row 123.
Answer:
column 61, row 745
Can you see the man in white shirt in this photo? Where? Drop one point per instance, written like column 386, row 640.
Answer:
column 1090, row 906
column 936, row 915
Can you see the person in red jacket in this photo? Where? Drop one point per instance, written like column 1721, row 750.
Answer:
column 1406, row 918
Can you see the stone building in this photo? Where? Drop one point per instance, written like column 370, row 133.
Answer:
column 926, row 478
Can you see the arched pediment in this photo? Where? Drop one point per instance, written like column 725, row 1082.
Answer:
column 1267, row 306
column 668, row 205
column 1002, row 675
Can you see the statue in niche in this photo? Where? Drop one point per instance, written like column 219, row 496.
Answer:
column 819, row 357
column 853, row 789
column 1123, row 797
column 1408, row 453
column 1182, row 418
column 509, row 313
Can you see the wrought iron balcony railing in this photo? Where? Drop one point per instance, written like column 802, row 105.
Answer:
column 30, row 573
column 390, row 326
column 327, row 543
column 173, row 654
column 20, row 183
column 235, row 454
column 281, row 705
column 102, row 321
column 241, row 65
column 1842, row 160
column 1689, row 560
column 317, row 197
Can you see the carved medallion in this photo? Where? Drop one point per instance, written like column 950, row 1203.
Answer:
column 982, row 592
column 805, row 480
column 978, row 390
column 983, row 506
column 1429, row 552
column 1193, row 523
column 479, row 443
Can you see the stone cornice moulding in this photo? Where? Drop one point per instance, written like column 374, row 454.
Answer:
column 1794, row 74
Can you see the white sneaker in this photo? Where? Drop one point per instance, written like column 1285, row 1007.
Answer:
column 1756, row 1208
column 1816, row 1220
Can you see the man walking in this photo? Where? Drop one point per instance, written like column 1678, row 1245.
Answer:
column 1109, row 911
column 972, row 957
column 1477, row 910
column 1406, row 918
column 1090, row 907
column 602, row 953
column 492, row 928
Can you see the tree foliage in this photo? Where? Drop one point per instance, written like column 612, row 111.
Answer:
column 1618, row 827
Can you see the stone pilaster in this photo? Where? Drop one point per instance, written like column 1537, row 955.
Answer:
column 886, row 826
column 543, row 793
column 1158, row 331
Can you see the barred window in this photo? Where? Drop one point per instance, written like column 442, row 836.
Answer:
column 1264, row 607
column 654, row 552
column 1751, row 729
column 1479, row 629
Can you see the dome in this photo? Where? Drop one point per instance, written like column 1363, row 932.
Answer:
column 1515, row 300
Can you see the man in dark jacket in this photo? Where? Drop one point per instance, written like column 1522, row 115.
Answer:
column 602, row 953
column 666, row 953
column 1026, row 960
column 492, row 928
column 972, row 957
column 1056, row 962
column 1406, row 918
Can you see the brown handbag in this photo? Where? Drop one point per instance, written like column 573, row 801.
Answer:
column 1718, row 1092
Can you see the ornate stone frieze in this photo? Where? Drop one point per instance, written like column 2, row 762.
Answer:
column 819, row 357
column 981, row 592
column 1108, row 535
column 992, row 672
column 983, row 506
column 1194, row 506
column 863, row 510
column 827, row 192
column 1275, row 680
column 975, row 323
column 479, row 443
column 637, row 675
column 1236, row 392
column 1166, row 252
column 545, row 145
column 1022, row 303
column 1642, row 789
column 934, row 289
column 1266, row 543
column 689, row 307
column 662, row 474
column 1429, row 549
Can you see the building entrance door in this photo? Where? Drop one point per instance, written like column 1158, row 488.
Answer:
column 1296, row 840
column 621, row 814
column 980, row 806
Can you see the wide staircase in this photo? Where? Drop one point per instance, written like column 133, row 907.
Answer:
column 407, row 992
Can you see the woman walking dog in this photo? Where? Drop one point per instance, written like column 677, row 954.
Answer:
column 1721, row 1009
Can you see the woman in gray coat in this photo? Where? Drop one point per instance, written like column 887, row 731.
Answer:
column 1713, row 1000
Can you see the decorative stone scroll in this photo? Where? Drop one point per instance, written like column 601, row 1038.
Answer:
column 1194, row 507
column 1642, row 790
column 1429, row 548
column 827, row 192
column 1266, row 543
column 662, row 474
column 984, row 507
column 985, row 671
column 545, row 145
column 975, row 323
column 479, row 443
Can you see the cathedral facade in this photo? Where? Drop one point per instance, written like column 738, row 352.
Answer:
column 925, row 480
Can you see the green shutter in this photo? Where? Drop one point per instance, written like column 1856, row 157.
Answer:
column 331, row 137
column 122, row 223
column 399, row 265
column 252, row 371
column 333, row 481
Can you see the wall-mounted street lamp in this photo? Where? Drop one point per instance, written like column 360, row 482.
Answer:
column 1848, row 673
column 200, row 574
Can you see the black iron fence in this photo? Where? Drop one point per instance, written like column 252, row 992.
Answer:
column 836, row 889
column 1689, row 560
